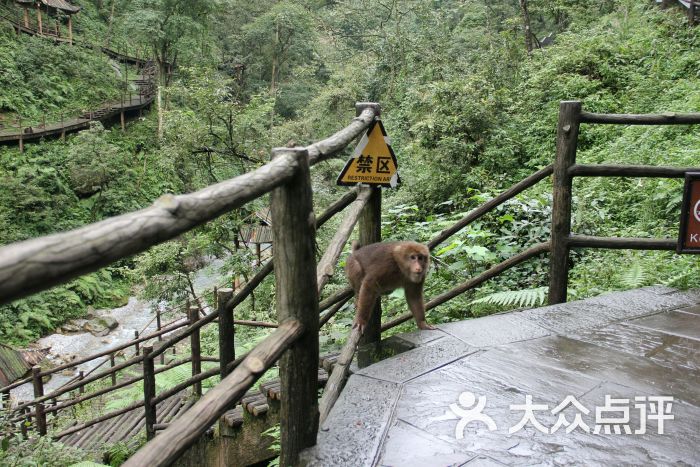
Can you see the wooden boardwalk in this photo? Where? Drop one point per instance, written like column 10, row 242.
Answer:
column 127, row 427
column 614, row 353
column 104, row 112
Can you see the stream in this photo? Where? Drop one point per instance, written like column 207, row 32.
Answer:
column 134, row 316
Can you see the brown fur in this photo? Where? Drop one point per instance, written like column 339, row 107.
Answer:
column 380, row 268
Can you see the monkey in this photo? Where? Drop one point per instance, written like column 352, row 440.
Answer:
column 380, row 268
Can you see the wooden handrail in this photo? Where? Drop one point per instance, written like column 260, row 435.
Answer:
column 490, row 205
column 332, row 145
column 38, row 264
column 587, row 241
column 336, row 380
column 183, row 432
column 326, row 265
column 471, row 283
column 603, row 170
column 666, row 118
column 104, row 353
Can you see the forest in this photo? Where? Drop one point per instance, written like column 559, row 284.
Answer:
column 469, row 91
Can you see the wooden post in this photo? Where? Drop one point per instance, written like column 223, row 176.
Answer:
column 122, row 120
column 136, row 345
column 294, row 228
column 5, row 399
column 70, row 29
column 370, row 230
column 196, row 352
column 38, row 17
column 160, row 337
column 227, row 350
column 23, row 425
column 691, row 12
column 38, row 384
column 149, row 392
column 21, row 136
column 26, row 17
column 111, row 364
column 258, row 253
column 63, row 128
column 567, row 139
column 81, row 376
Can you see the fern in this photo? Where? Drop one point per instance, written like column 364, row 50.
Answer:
column 635, row 276
column 521, row 298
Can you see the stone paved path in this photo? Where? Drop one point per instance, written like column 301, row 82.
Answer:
column 641, row 343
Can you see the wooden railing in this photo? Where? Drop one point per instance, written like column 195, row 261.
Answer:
column 299, row 310
column 35, row 265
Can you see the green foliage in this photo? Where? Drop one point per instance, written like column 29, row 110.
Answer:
column 520, row 298
column 15, row 451
column 274, row 433
column 31, row 317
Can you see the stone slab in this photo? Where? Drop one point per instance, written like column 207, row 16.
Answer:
column 673, row 322
column 408, row 446
column 503, row 378
column 643, row 301
column 566, row 318
column 494, row 330
column 678, row 445
column 408, row 365
column 605, row 364
column 419, row 338
column 663, row 349
column 353, row 431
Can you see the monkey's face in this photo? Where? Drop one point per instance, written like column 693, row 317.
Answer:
column 418, row 265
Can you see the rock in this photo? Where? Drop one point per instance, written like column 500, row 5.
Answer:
column 100, row 326
column 70, row 328
column 108, row 322
column 68, row 372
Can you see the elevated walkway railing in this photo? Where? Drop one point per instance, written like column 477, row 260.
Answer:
column 37, row 264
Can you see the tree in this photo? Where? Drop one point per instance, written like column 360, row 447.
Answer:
column 166, row 25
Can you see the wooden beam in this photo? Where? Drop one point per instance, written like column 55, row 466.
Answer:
column 38, row 384
column 326, row 265
column 332, row 145
column 296, row 294
column 195, row 349
column 666, row 118
column 149, row 391
column 38, row 264
column 170, row 444
column 490, row 205
column 586, row 241
column 603, row 170
column 336, row 381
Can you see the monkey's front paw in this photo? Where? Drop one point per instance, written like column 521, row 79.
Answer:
column 425, row 326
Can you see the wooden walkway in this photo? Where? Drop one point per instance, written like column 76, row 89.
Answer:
column 128, row 426
column 103, row 114
column 145, row 95
column 614, row 354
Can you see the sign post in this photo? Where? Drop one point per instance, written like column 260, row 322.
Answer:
column 373, row 162
column 689, row 235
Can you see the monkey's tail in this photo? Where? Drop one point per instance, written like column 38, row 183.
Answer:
column 355, row 245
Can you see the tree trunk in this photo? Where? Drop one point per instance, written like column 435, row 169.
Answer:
column 526, row 26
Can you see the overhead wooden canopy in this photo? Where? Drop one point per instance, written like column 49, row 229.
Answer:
column 62, row 5
column 14, row 364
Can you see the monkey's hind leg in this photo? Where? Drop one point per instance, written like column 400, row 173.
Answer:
column 364, row 304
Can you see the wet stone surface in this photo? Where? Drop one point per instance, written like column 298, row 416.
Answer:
column 582, row 366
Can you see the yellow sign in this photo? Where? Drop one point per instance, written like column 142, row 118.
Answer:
column 373, row 162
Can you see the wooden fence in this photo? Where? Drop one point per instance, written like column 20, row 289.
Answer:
column 37, row 264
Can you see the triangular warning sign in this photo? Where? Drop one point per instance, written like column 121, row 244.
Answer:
column 373, row 162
